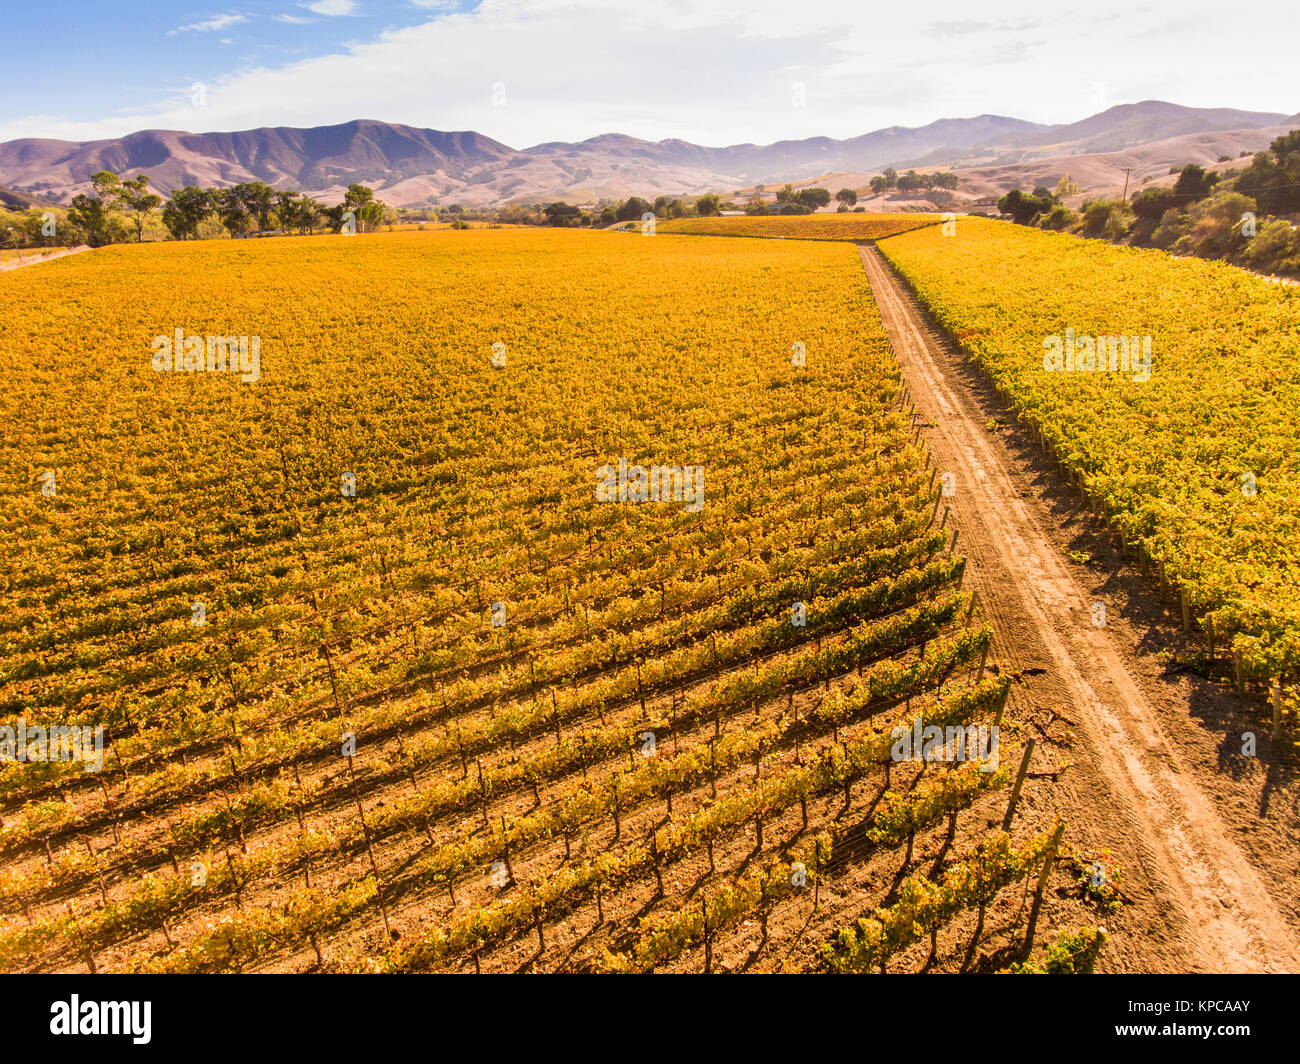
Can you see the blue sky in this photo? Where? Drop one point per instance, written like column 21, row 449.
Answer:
column 711, row 71
column 135, row 56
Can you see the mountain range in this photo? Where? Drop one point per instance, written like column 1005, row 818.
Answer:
column 418, row 167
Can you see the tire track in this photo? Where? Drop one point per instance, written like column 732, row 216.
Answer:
column 1215, row 901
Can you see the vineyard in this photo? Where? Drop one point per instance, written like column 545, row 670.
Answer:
column 1194, row 468
column 388, row 682
column 838, row 226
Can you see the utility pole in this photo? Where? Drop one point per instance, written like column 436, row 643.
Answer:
column 1127, row 171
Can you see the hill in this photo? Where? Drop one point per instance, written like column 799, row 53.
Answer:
column 417, row 167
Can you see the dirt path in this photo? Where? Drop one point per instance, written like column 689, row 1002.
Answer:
column 18, row 264
column 1202, row 903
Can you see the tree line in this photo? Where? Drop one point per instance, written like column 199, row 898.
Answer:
column 890, row 180
column 117, row 209
column 1247, row 218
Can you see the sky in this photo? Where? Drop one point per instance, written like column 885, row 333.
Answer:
column 709, row 71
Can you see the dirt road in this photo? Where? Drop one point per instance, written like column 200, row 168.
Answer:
column 1205, row 904
column 18, row 264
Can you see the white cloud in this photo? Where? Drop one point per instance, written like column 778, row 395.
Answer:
column 296, row 20
column 332, row 7
column 722, row 71
column 216, row 22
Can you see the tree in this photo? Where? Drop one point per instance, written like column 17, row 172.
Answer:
column 633, row 208
column 1151, row 203
column 360, row 200
column 812, row 198
column 1149, row 207
column 296, row 211
column 286, row 208
column 707, row 205
column 1067, row 186
column 307, row 214
column 1105, row 219
column 1273, row 177
column 1216, row 229
column 1275, row 249
column 186, row 209
column 134, row 196
column 563, row 214
column 1174, row 225
column 258, row 201
column 89, row 214
column 847, row 197
column 1058, row 218
column 92, row 213
column 334, row 215
column 32, row 225
column 1025, row 208
column 1193, row 183
column 230, row 210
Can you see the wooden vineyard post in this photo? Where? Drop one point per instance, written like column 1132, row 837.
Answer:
column 1048, row 860
column 94, row 860
column 1187, row 620
column 85, row 946
column 505, row 850
column 1020, row 782
column 1277, row 710
column 708, row 938
column 410, row 768
column 1002, row 704
column 370, row 851
column 618, row 826
column 112, row 812
column 984, row 657
column 817, row 879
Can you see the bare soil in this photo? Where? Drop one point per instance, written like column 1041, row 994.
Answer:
column 1207, row 837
